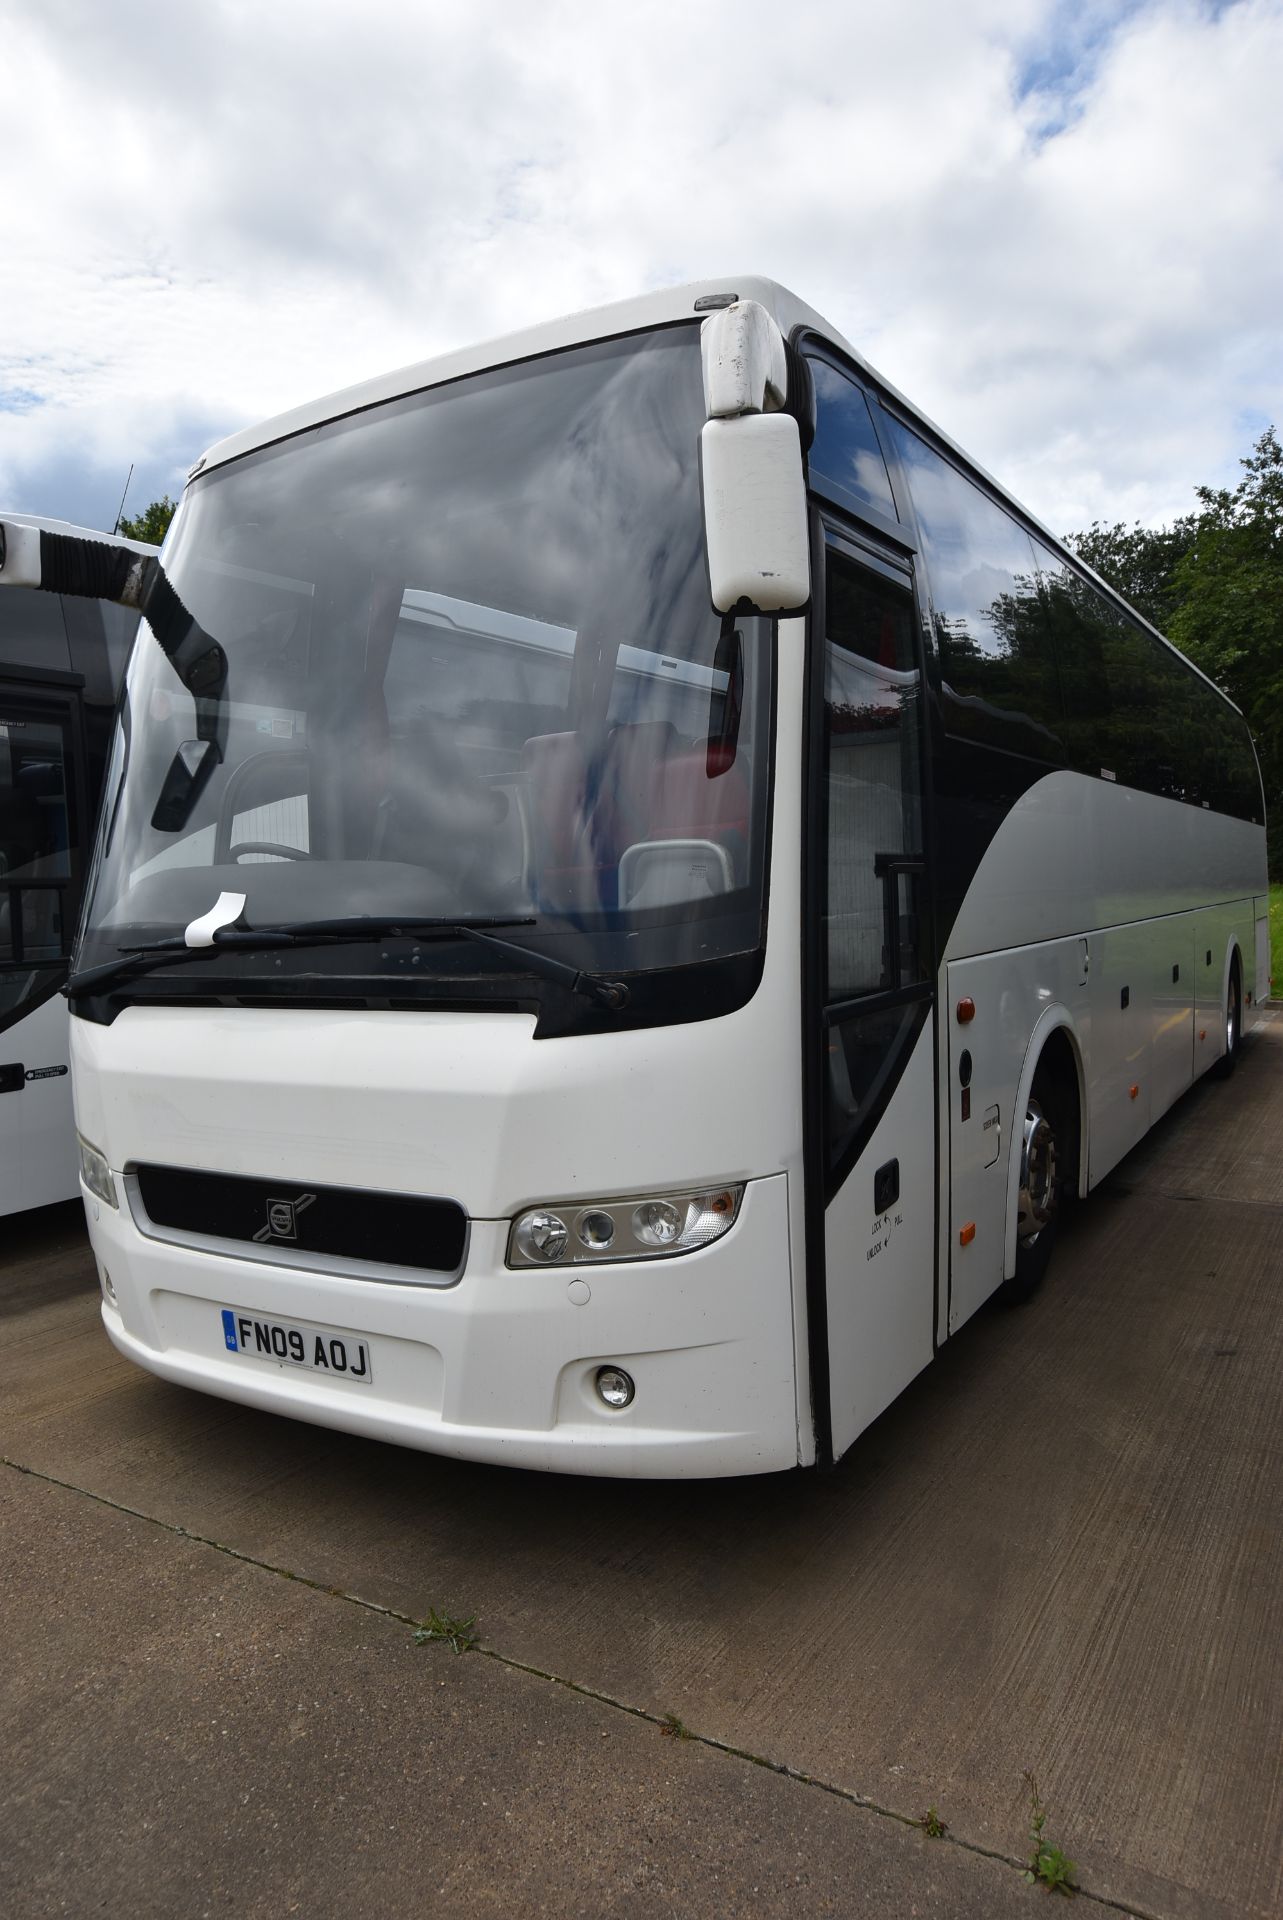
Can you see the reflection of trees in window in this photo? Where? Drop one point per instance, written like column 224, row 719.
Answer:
column 1015, row 699
column 1000, row 682
column 1133, row 708
column 1037, row 661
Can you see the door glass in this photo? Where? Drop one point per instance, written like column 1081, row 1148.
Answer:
column 872, row 782
column 36, row 838
column 873, row 805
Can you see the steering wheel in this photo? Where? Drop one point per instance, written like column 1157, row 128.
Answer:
column 267, row 846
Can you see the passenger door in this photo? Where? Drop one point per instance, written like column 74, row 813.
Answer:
column 41, row 871
column 876, row 1078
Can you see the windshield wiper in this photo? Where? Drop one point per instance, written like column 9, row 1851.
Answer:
column 302, row 933
column 175, row 951
column 607, row 993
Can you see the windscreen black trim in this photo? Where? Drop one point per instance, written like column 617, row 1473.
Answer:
column 675, row 996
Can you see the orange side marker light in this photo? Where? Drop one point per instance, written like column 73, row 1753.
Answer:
column 966, row 1010
column 967, row 1234
column 1132, row 1092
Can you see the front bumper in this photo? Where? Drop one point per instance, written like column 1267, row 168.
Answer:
column 500, row 1366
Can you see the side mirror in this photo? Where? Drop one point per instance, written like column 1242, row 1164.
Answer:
column 755, row 527
column 755, row 513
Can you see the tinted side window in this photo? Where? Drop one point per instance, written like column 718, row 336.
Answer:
column 1243, row 782
column 999, row 671
column 1083, row 628
column 845, row 458
column 1134, row 710
column 1157, row 733
column 1230, row 782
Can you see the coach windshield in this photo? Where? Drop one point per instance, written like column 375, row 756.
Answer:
column 471, row 674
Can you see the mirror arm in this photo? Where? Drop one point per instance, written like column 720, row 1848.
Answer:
column 196, row 657
column 82, row 569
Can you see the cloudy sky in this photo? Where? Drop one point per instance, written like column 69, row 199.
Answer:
column 1057, row 228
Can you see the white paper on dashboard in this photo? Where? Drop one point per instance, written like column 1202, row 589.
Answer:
column 227, row 908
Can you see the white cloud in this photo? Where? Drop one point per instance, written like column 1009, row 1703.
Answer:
column 1057, row 231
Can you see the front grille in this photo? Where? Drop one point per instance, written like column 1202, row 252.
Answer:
column 297, row 1217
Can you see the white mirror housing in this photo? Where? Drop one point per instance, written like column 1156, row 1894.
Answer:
column 755, row 528
column 755, row 513
column 745, row 370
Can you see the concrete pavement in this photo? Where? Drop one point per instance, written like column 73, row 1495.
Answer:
column 1061, row 1550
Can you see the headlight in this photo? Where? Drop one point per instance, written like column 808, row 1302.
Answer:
column 96, row 1174
column 634, row 1229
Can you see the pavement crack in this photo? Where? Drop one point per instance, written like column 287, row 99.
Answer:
column 864, row 1802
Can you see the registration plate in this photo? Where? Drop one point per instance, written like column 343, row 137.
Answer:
column 317, row 1349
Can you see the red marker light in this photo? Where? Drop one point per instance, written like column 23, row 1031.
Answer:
column 966, row 1010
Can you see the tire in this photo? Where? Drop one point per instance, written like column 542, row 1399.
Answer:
column 1044, row 1151
column 1225, row 1066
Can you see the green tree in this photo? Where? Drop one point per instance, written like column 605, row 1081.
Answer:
column 1140, row 562
column 1229, row 611
column 152, row 523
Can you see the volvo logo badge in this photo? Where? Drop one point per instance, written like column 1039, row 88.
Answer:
column 282, row 1218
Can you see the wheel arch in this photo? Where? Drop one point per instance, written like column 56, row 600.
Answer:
column 1054, row 1029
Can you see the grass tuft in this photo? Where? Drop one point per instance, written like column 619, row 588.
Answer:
column 457, row 1634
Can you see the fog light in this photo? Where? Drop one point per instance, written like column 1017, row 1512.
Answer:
column 596, row 1229
column 614, row 1386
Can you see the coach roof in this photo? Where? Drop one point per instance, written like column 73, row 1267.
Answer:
column 593, row 323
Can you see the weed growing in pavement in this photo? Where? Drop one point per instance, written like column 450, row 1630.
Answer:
column 1049, row 1866
column 932, row 1825
column 673, row 1728
column 457, row 1634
